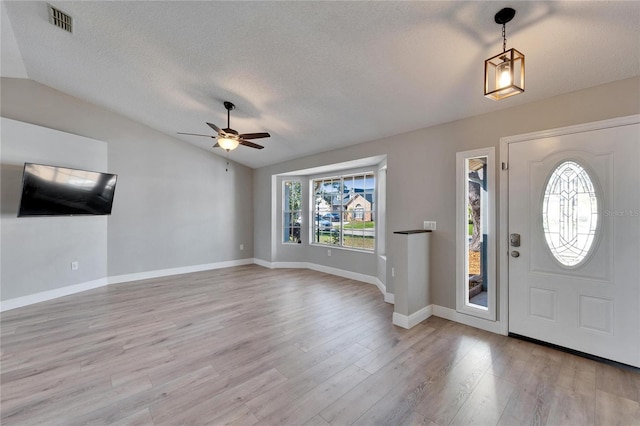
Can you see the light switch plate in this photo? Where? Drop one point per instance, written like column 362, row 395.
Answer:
column 428, row 224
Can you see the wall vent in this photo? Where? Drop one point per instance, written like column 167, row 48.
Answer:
column 60, row 19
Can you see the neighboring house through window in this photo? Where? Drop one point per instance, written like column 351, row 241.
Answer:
column 344, row 211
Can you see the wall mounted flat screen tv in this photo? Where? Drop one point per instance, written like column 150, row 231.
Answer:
column 60, row 191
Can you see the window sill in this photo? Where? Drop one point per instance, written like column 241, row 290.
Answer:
column 372, row 252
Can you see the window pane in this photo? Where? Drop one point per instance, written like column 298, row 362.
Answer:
column 569, row 213
column 476, row 207
column 344, row 211
column 292, row 211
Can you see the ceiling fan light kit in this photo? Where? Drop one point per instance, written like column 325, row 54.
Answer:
column 504, row 72
column 228, row 144
column 228, row 138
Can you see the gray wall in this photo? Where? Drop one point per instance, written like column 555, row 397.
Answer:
column 360, row 262
column 175, row 206
column 421, row 170
column 37, row 251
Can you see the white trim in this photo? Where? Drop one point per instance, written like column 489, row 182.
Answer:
column 348, row 274
column 414, row 319
column 503, row 245
column 43, row 296
column 452, row 315
column 462, row 287
column 398, row 319
column 90, row 285
column 390, row 298
column 578, row 128
column 369, row 279
column 263, row 263
column 137, row 276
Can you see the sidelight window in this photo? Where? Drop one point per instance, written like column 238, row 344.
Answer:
column 475, row 236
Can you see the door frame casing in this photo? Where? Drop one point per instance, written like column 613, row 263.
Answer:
column 503, row 214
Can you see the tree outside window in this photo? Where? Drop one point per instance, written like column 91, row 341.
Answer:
column 292, row 212
column 344, row 211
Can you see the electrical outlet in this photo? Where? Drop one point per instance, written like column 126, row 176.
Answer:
column 393, row 272
column 241, row 246
column 74, row 265
column 428, row 224
column 329, row 252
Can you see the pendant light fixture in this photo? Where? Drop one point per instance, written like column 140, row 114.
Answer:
column 504, row 73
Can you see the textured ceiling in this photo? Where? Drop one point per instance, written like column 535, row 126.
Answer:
column 316, row 75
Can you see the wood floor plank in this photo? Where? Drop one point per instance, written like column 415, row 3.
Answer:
column 365, row 395
column 569, row 407
column 141, row 418
column 214, row 406
column 534, row 393
column 279, row 398
column 311, row 403
column 618, row 381
column 398, row 403
column 442, row 401
column 614, row 410
column 486, row 403
column 249, row 345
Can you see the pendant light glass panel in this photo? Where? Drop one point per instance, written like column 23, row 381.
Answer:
column 504, row 75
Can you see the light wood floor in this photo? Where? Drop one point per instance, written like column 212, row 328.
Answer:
column 248, row 345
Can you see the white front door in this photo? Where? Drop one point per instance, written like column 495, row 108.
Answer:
column 574, row 200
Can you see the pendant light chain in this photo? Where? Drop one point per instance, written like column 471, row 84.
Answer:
column 504, row 38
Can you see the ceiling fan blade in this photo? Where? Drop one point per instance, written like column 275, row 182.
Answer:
column 254, row 135
column 250, row 144
column 214, row 127
column 195, row 134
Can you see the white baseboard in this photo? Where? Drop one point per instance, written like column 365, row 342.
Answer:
column 398, row 319
column 348, row 274
column 405, row 321
column 453, row 315
column 262, row 263
column 137, row 276
column 19, row 302
column 43, row 296
column 390, row 298
column 369, row 279
column 414, row 319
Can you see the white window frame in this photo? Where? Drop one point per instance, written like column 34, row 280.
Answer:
column 462, row 232
column 286, row 211
column 343, row 211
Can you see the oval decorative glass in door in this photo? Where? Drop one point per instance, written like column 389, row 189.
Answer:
column 569, row 213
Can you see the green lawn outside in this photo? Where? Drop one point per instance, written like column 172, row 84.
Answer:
column 348, row 241
column 359, row 225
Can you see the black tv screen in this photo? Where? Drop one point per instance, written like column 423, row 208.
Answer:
column 60, row 191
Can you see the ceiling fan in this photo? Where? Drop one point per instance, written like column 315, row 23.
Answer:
column 229, row 139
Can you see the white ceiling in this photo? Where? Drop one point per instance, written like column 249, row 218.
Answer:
column 316, row 75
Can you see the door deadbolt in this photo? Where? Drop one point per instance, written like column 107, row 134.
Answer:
column 514, row 239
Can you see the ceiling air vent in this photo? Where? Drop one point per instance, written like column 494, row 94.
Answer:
column 60, row 19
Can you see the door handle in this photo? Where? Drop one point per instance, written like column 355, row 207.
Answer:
column 515, row 253
column 514, row 240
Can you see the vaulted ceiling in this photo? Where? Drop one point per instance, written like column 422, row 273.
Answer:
column 316, row 75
